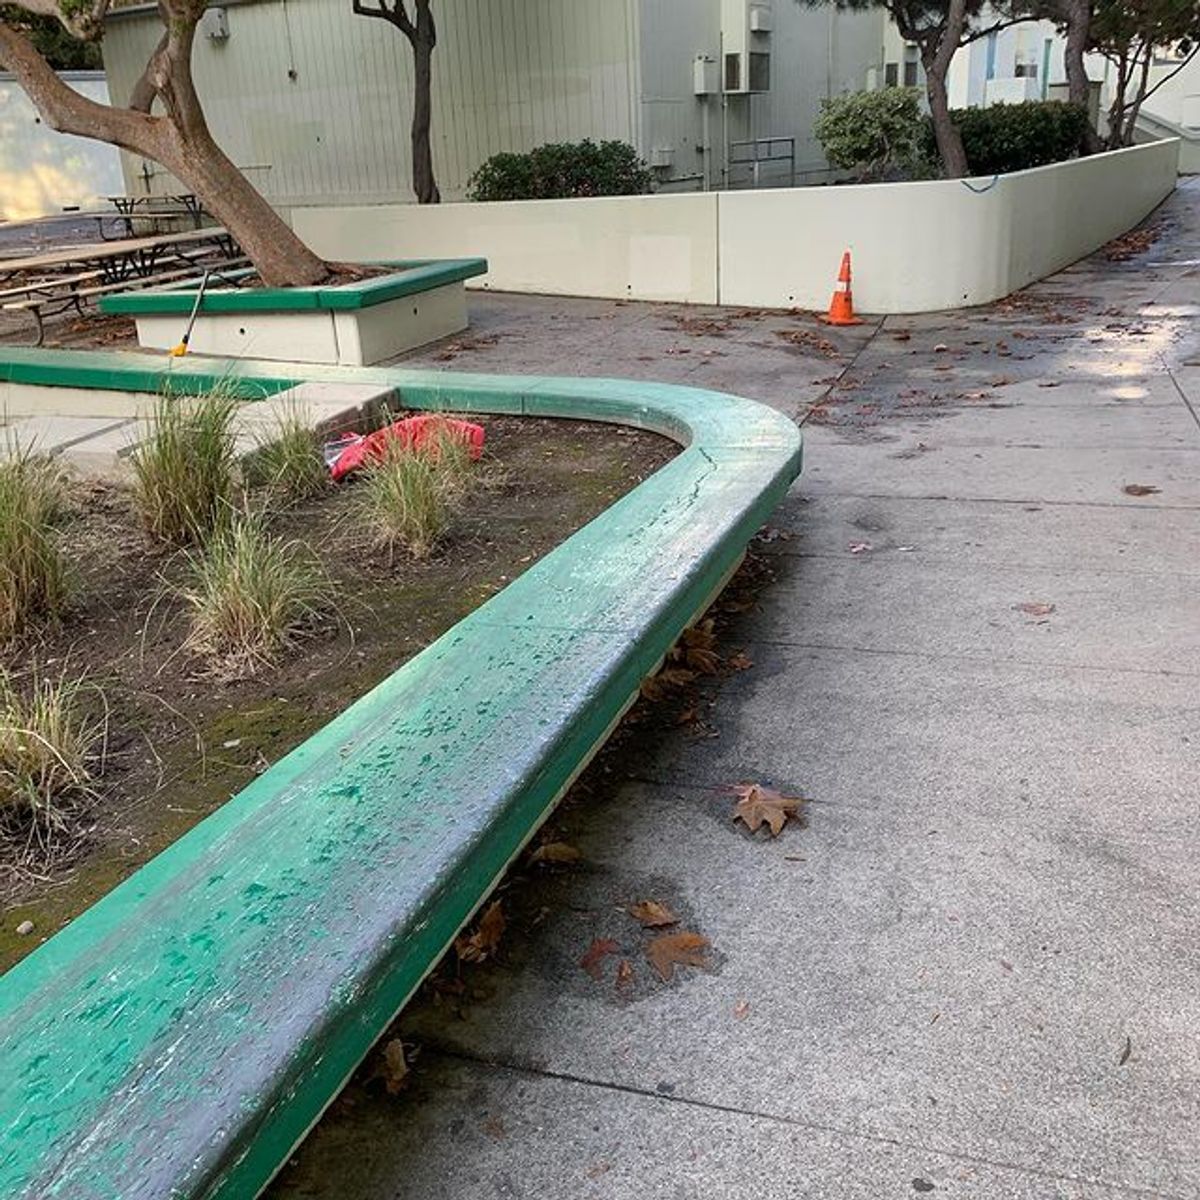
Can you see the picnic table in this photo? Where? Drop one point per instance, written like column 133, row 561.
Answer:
column 182, row 203
column 120, row 260
column 53, row 282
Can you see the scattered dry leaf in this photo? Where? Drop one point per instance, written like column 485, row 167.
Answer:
column 652, row 915
column 392, row 1067
column 555, row 852
column 624, row 974
column 494, row 1128
column 668, row 680
column 859, row 547
column 670, row 950
column 740, row 661
column 1035, row 608
column 741, row 1010
column 1140, row 489
column 758, row 805
column 480, row 945
column 707, row 662
column 593, row 961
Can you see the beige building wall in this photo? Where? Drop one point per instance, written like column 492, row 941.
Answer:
column 314, row 103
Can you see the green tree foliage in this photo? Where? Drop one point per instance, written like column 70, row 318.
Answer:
column 878, row 135
column 1015, row 137
column 939, row 28
column 1131, row 34
column 562, row 170
column 62, row 51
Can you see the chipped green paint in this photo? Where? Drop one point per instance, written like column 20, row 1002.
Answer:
column 409, row 279
column 181, row 1036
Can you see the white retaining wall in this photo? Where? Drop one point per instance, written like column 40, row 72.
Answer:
column 917, row 247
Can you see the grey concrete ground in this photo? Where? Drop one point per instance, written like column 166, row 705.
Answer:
column 976, row 970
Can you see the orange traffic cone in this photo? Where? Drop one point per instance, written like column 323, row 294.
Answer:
column 841, row 307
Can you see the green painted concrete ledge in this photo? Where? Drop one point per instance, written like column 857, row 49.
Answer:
column 407, row 279
column 181, row 1036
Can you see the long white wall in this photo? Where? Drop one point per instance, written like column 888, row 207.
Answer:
column 917, row 247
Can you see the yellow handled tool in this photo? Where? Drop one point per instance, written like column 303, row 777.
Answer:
column 180, row 350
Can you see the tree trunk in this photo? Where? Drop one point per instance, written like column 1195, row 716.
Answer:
column 280, row 257
column 179, row 139
column 1078, row 15
column 949, row 140
column 424, row 183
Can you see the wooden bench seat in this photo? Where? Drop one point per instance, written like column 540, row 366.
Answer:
column 66, row 293
column 52, row 283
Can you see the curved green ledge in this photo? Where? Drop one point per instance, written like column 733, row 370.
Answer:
column 182, row 1035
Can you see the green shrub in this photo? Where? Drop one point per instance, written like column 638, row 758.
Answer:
column 875, row 134
column 184, row 472
column 251, row 596
column 562, row 170
column 34, row 578
column 1015, row 137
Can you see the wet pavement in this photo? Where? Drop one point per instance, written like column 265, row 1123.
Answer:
column 974, row 971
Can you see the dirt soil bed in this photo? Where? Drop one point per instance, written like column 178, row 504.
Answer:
column 180, row 742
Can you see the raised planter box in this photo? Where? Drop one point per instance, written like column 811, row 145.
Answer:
column 181, row 1036
column 349, row 324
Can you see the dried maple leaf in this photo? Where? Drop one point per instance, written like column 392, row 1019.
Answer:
column 555, row 852
column 670, row 950
column 669, row 679
column 392, row 1067
column 1035, row 608
column 480, row 945
column 707, row 662
column 650, row 914
column 758, row 805
column 593, row 961
column 1140, row 489
column 740, row 661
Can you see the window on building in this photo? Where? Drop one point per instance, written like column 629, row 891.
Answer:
column 733, row 72
column 760, row 72
column 891, row 75
column 911, row 75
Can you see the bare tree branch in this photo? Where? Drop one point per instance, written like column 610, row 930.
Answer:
column 1171, row 74
column 87, row 23
column 396, row 15
column 975, row 35
column 141, row 99
column 66, row 110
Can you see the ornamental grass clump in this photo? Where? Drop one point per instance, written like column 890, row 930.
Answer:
column 49, row 747
column 252, row 595
column 288, row 459
column 34, row 575
column 184, row 473
column 409, row 495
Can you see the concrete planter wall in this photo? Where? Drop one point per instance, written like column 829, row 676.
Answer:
column 352, row 324
column 917, row 247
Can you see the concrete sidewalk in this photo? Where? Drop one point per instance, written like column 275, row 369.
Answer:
column 976, row 970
